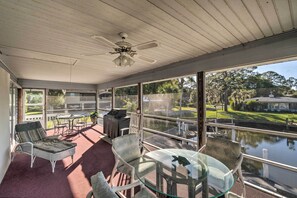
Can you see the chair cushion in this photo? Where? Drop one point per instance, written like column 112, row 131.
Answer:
column 23, row 136
column 34, row 136
column 101, row 189
column 41, row 132
column 127, row 147
column 53, row 145
column 142, row 166
column 31, row 132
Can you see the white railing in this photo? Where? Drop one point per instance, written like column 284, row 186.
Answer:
column 253, row 130
column 49, row 117
column 33, row 117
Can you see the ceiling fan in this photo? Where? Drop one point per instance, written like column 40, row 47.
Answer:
column 126, row 50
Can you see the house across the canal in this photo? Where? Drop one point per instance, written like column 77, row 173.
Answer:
column 274, row 104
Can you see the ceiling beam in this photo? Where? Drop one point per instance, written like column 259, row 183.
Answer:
column 42, row 84
column 270, row 49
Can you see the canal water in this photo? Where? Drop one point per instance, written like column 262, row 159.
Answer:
column 278, row 149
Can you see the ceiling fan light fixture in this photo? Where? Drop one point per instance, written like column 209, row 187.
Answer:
column 123, row 61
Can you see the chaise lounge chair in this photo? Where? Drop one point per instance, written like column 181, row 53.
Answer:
column 32, row 140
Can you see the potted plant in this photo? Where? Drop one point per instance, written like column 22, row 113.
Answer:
column 94, row 116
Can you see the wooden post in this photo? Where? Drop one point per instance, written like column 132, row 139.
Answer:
column 201, row 108
column 20, row 106
column 97, row 101
column 140, row 110
column 45, row 107
column 112, row 98
column 140, row 96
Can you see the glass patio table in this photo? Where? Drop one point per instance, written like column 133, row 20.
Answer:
column 186, row 173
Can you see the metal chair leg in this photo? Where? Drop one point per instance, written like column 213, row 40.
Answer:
column 242, row 181
column 113, row 172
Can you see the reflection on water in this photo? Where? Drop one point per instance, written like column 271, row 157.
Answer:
column 280, row 149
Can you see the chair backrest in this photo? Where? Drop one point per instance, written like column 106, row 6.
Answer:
column 85, row 118
column 55, row 121
column 127, row 147
column 100, row 187
column 29, row 132
column 227, row 151
column 136, row 123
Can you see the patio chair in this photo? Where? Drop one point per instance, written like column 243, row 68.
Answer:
column 59, row 126
column 136, row 124
column 63, row 118
column 228, row 152
column 101, row 189
column 129, row 159
column 83, row 120
column 78, row 125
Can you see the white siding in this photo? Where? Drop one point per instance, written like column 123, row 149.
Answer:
column 4, row 123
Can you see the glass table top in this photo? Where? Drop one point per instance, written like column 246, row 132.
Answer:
column 184, row 170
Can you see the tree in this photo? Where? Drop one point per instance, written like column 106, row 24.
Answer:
column 56, row 98
column 276, row 79
column 222, row 84
column 168, row 87
column 238, row 96
column 236, row 86
column 184, row 84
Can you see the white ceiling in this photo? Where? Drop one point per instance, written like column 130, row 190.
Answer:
column 45, row 40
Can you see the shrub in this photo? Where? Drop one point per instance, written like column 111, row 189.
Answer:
column 235, row 106
column 251, row 105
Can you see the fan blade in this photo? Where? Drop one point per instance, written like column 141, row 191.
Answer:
column 104, row 41
column 106, row 53
column 147, row 45
column 146, row 59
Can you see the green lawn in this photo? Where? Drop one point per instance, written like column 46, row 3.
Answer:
column 244, row 115
column 256, row 116
column 34, row 113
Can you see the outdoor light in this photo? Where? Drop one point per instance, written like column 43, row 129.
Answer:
column 123, row 61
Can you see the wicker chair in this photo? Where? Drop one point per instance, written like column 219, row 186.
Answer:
column 32, row 140
column 101, row 189
column 228, row 152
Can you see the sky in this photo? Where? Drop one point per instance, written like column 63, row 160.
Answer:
column 286, row 69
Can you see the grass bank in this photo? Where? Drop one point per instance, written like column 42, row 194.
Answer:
column 276, row 117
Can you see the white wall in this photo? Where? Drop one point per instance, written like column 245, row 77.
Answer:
column 4, row 123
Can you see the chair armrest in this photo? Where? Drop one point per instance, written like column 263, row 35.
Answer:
column 90, row 194
column 238, row 164
column 25, row 143
column 202, row 148
column 118, row 157
column 144, row 149
column 126, row 187
column 122, row 131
